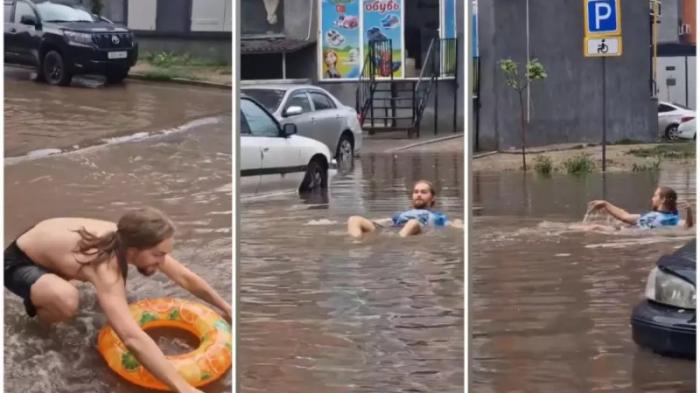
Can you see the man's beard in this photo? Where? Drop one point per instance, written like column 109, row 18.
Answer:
column 145, row 272
column 420, row 204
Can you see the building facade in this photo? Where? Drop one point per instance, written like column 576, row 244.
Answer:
column 325, row 42
column 567, row 106
column 200, row 28
column 675, row 56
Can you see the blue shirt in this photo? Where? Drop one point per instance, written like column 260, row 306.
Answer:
column 658, row 219
column 424, row 216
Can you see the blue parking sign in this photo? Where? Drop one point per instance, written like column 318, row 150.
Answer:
column 602, row 17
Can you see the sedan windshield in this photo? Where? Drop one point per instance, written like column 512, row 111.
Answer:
column 269, row 98
column 55, row 12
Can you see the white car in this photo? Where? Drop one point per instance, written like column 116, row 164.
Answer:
column 274, row 158
column 670, row 117
column 687, row 129
column 317, row 114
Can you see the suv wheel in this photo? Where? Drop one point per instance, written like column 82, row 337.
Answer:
column 53, row 69
column 116, row 76
column 316, row 177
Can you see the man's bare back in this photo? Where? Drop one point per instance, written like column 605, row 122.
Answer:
column 52, row 244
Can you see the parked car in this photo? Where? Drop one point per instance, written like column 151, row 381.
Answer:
column 686, row 130
column 272, row 157
column 670, row 116
column 317, row 114
column 62, row 40
column 665, row 321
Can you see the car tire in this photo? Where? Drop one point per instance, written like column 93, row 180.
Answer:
column 345, row 152
column 316, row 177
column 672, row 132
column 53, row 69
column 117, row 76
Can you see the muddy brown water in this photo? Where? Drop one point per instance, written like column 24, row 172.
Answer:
column 550, row 306
column 320, row 312
column 38, row 116
column 186, row 173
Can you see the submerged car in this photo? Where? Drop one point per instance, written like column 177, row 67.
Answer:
column 62, row 40
column 665, row 321
column 686, row 130
column 317, row 115
column 273, row 158
column 670, row 117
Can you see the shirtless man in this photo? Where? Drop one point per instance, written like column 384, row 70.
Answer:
column 40, row 263
column 411, row 221
column 664, row 211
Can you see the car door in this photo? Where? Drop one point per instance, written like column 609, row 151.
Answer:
column 303, row 121
column 10, row 33
column 250, row 157
column 279, row 158
column 22, row 36
column 667, row 114
column 326, row 120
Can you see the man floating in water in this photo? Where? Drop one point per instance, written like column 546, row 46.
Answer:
column 411, row 222
column 664, row 211
column 41, row 261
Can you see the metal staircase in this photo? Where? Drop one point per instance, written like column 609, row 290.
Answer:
column 387, row 104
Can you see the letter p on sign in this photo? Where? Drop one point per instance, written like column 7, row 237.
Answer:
column 603, row 17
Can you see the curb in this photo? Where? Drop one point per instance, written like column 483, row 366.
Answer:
column 482, row 155
column 182, row 81
column 435, row 140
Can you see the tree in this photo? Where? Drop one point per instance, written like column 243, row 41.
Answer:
column 534, row 70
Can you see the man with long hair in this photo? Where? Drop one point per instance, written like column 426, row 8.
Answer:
column 664, row 211
column 412, row 221
column 41, row 261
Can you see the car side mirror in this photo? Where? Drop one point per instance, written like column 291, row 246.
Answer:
column 293, row 111
column 289, row 129
column 28, row 20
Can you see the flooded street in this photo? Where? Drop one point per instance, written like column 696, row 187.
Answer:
column 39, row 117
column 320, row 312
column 185, row 172
column 551, row 306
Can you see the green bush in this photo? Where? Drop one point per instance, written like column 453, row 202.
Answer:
column 671, row 151
column 579, row 164
column 647, row 166
column 543, row 165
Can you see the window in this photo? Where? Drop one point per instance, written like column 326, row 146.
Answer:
column 259, row 123
column 269, row 98
column 22, row 9
column 299, row 99
column 321, row 101
column 8, row 12
column 665, row 108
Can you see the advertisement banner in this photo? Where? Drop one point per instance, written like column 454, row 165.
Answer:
column 383, row 19
column 340, row 39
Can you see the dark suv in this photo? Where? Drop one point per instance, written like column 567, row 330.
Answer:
column 62, row 40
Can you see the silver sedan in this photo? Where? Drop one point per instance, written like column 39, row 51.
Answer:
column 317, row 115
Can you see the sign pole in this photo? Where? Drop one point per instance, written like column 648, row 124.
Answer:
column 604, row 114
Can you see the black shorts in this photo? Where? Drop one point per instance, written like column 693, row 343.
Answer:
column 20, row 274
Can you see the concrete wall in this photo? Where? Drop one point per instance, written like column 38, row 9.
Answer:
column 142, row 14
column 566, row 107
column 300, row 18
column 211, row 15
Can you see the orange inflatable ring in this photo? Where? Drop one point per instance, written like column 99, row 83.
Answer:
column 202, row 366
